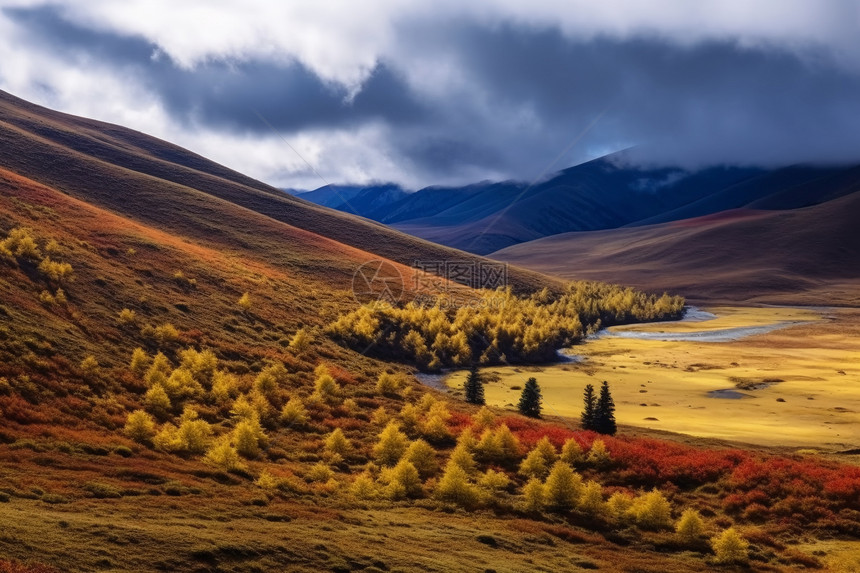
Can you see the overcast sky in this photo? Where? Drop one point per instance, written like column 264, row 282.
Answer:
column 450, row 92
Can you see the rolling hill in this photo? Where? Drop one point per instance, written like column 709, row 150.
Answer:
column 808, row 255
column 128, row 172
column 174, row 395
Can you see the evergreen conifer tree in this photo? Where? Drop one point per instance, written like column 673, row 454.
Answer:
column 588, row 411
column 530, row 400
column 604, row 413
column 474, row 387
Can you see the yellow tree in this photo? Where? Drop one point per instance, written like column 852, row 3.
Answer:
column 690, row 527
column 454, row 487
column 423, row 457
column 391, row 446
column 539, row 460
column 140, row 427
column 730, row 547
column 338, row 444
column 563, row 487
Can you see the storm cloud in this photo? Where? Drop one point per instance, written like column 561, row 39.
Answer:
column 457, row 94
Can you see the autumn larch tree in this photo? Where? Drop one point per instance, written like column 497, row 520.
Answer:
column 474, row 387
column 590, row 403
column 604, row 413
column 530, row 400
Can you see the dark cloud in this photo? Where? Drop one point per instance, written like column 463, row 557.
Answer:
column 290, row 97
column 706, row 103
column 230, row 94
column 46, row 25
column 527, row 98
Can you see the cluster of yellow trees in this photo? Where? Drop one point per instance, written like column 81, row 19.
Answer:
column 486, row 466
column 20, row 245
column 405, row 468
column 249, row 407
column 426, row 419
column 500, row 327
column 162, row 334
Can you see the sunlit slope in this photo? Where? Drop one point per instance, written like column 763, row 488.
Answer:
column 170, row 188
column 295, row 278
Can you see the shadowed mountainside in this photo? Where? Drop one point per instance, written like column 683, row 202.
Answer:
column 597, row 195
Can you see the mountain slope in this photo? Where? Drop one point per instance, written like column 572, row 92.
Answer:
column 809, row 255
column 354, row 199
column 597, row 195
column 591, row 196
column 131, row 173
column 785, row 188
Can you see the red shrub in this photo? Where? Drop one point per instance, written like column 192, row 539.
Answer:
column 756, row 497
column 756, row 512
column 459, row 421
column 782, row 478
column 518, row 423
column 799, row 491
column 734, row 503
column 844, row 486
column 19, row 410
column 341, row 375
column 529, row 431
column 191, row 337
column 558, row 436
column 651, row 462
column 75, row 406
column 760, row 537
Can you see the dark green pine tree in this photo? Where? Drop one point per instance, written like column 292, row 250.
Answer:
column 530, row 399
column 604, row 413
column 474, row 387
column 590, row 403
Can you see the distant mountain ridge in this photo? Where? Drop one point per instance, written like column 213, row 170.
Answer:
column 597, row 195
column 353, row 199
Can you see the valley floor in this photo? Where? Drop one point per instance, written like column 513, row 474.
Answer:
column 794, row 386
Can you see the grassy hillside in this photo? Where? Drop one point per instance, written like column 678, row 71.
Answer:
column 807, row 256
column 172, row 398
column 174, row 190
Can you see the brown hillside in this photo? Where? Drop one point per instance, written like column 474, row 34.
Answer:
column 297, row 279
column 172, row 189
column 809, row 255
